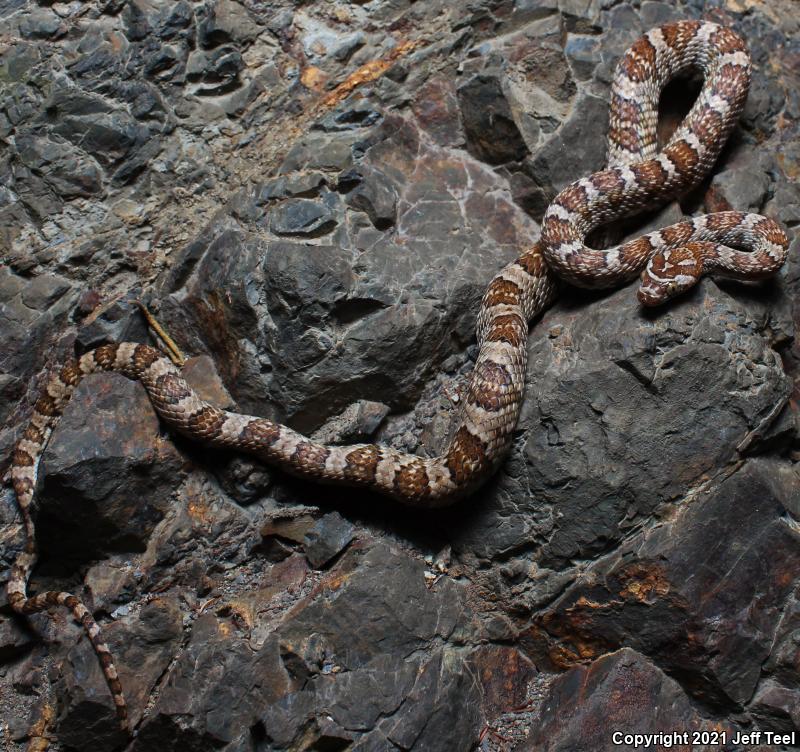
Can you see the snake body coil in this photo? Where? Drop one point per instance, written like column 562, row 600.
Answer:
column 670, row 260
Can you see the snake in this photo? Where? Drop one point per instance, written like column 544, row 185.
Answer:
column 638, row 176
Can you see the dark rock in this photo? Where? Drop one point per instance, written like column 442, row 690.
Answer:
column 357, row 681
column 327, row 538
column 217, row 686
column 441, row 706
column 777, row 707
column 165, row 64
column 178, row 22
column 151, row 145
column 43, row 291
column 121, row 321
column 436, row 108
column 301, row 217
column 745, row 185
column 505, row 675
column 676, row 592
column 225, row 21
column 101, row 479
column 621, row 692
column 404, row 614
column 16, row 638
column 349, row 116
column 602, row 451
column 492, row 135
column 577, row 148
column 26, row 328
column 375, row 195
column 215, row 71
column 306, row 184
column 40, row 23
column 142, row 647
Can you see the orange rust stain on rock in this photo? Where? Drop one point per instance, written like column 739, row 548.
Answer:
column 199, row 511
column 643, row 583
column 367, row 73
column 313, row 78
column 576, row 651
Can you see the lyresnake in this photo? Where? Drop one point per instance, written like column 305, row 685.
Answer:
column 638, row 177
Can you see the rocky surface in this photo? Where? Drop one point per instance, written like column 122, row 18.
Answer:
column 312, row 198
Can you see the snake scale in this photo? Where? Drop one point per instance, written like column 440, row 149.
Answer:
column 639, row 176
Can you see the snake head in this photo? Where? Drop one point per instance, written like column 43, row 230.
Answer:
column 670, row 273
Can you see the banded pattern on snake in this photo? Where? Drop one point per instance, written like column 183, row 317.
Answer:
column 638, row 177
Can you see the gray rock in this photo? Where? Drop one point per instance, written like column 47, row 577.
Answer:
column 225, row 21
column 492, row 134
column 327, row 538
column 217, row 686
column 40, row 23
column 679, row 591
column 15, row 639
column 624, row 693
column 307, row 184
column 214, row 71
column 777, row 707
column 143, row 649
column 102, row 480
column 373, row 194
column 617, row 419
column 441, row 706
column 404, row 614
column 44, row 291
column 302, row 218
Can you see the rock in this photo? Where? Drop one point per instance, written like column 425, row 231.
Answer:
column 101, row 479
column 577, row 148
column 391, row 587
column 306, row 184
column 436, row 108
column 327, row 538
column 358, row 681
column 29, row 312
column 40, row 23
column 216, row 71
column 225, row 21
column 142, row 649
column 745, row 186
column 15, row 639
column 312, row 198
column 677, row 595
column 375, row 195
column 357, row 422
column 119, row 321
column 301, row 217
column 492, row 135
column 621, row 692
column 292, row 525
column 441, row 706
column 178, row 22
column 505, row 675
column 44, row 291
column 777, row 707
column 602, row 450
column 309, row 294
column 217, row 686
